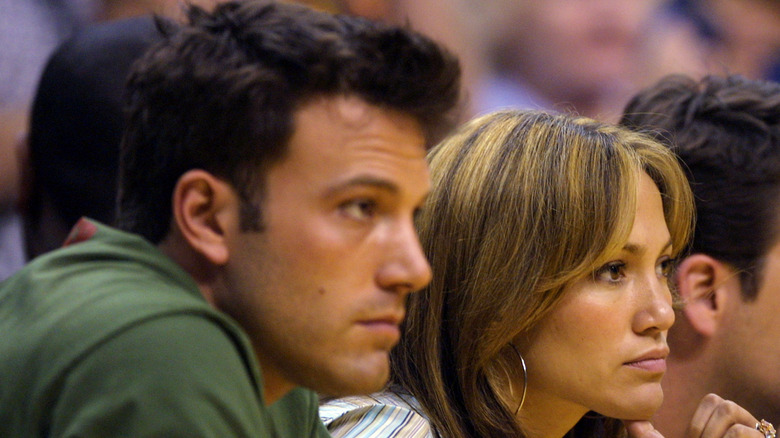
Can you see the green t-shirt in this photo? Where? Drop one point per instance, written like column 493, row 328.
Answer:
column 109, row 337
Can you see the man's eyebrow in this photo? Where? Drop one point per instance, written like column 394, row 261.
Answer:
column 635, row 249
column 364, row 181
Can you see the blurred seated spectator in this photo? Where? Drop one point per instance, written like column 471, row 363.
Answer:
column 742, row 36
column 69, row 161
column 568, row 55
column 29, row 31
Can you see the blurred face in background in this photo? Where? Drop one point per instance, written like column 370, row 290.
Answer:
column 570, row 47
column 748, row 32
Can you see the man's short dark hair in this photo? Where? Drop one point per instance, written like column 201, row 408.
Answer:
column 219, row 94
column 726, row 131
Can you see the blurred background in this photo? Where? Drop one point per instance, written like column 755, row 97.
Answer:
column 586, row 56
column 581, row 56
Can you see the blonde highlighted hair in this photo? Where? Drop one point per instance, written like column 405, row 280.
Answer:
column 523, row 203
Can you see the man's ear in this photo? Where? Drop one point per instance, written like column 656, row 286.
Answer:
column 205, row 211
column 705, row 284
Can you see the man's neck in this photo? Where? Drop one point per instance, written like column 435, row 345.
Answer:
column 275, row 385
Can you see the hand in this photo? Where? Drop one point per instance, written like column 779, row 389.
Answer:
column 641, row 429
column 715, row 418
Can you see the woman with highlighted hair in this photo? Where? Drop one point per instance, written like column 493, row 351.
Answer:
column 552, row 239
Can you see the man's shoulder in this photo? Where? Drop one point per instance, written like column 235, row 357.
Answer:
column 101, row 277
column 296, row 414
column 173, row 373
column 85, row 292
column 66, row 305
column 79, row 328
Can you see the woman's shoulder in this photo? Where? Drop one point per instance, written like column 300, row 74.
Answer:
column 379, row 415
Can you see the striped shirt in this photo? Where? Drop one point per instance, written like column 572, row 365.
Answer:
column 380, row 415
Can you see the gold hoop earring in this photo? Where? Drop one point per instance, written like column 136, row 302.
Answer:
column 525, row 378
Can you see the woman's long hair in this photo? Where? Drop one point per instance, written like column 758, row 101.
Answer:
column 523, row 203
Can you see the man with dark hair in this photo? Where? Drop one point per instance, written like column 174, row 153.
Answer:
column 726, row 132
column 71, row 154
column 272, row 164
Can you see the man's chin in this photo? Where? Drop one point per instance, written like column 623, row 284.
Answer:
column 360, row 380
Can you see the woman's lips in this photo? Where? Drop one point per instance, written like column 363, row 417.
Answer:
column 649, row 365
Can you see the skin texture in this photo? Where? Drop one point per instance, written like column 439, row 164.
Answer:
column 321, row 290
column 584, row 355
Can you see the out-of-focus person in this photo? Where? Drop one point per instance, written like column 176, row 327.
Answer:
column 70, row 154
column 569, row 55
column 29, row 31
column 740, row 36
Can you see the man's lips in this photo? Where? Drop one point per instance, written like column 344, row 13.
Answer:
column 384, row 325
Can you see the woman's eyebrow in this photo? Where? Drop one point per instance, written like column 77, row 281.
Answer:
column 635, row 249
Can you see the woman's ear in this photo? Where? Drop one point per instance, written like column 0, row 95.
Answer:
column 705, row 284
column 205, row 211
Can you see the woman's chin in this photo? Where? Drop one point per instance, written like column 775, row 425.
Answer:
column 636, row 406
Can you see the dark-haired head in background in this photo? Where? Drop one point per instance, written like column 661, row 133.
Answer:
column 273, row 161
column 726, row 132
column 75, row 130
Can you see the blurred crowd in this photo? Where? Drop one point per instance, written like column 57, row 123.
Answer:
column 577, row 56
column 587, row 56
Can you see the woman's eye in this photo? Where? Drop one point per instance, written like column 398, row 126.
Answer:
column 666, row 267
column 359, row 209
column 612, row 272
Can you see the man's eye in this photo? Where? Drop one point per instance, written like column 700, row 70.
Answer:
column 612, row 272
column 359, row 209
